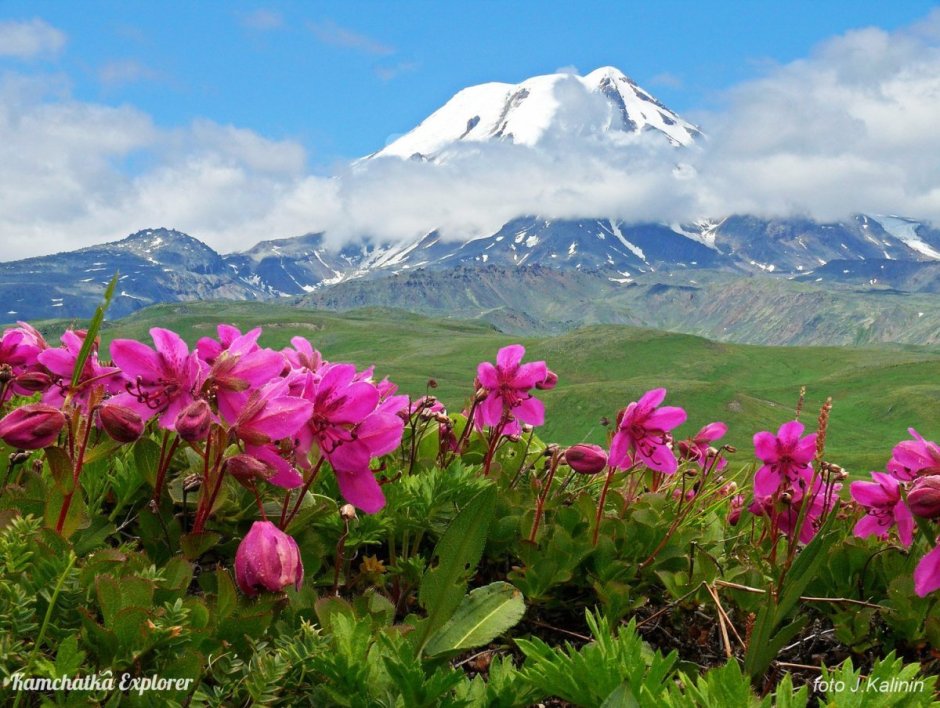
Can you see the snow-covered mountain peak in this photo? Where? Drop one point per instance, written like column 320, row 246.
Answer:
column 605, row 104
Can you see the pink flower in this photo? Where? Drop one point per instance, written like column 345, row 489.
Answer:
column 911, row 458
column 161, row 381
column 642, row 434
column 508, row 385
column 924, row 497
column 32, row 426
column 234, row 375
column 351, row 425
column 61, row 362
column 120, row 422
column 885, row 508
column 927, row 573
column 270, row 414
column 786, row 515
column 786, row 459
column 267, row 559
column 229, row 338
column 700, row 447
column 303, row 357
column 18, row 356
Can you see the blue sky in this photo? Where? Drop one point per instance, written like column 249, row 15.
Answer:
column 236, row 121
column 341, row 78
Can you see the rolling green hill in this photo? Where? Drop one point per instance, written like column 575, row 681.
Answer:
column 877, row 392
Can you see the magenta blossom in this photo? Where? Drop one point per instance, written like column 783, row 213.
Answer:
column 912, row 458
column 885, row 508
column 700, row 446
column 271, row 414
column 18, row 356
column 267, row 559
column 302, row 356
column 643, row 434
column 786, row 514
column 927, row 573
column 508, row 384
column 161, row 381
column 786, row 457
column 229, row 338
column 61, row 362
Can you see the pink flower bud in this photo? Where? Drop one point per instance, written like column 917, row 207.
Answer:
column 734, row 514
column 246, row 469
column 924, row 497
column 34, row 381
column 120, row 422
column 586, row 459
column 192, row 424
column 549, row 382
column 32, row 426
column 267, row 559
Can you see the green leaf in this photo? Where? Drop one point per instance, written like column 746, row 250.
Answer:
column 93, row 328
column 147, row 457
column 68, row 657
column 60, row 465
column 75, row 518
column 109, row 598
column 195, row 544
column 621, row 697
column 458, row 552
column 226, row 597
column 484, row 614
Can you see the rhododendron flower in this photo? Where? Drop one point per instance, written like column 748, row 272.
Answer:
column 303, row 357
column 700, row 449
column 160, row 381
column 885, row 508
column 642, row 434
column 267, row 559
column 194, row 421
column 786, row 457
column 234, row 375
column 508, row 384
column 911, row 458
column 927, row 573
column 230, row 337
column 32, row 426
column 61, row 362
column 786, row 514
column 281, row 472
column 270, row 414
column 120, row 422
column 426, row 407
column 18, row 352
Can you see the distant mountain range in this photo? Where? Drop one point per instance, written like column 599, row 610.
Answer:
column 740, row 277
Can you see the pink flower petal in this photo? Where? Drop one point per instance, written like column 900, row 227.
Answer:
column 509, row 357
column 361, row 490
column 927, row 573
column 531, row 411
column 665, row 418
column 136, row 360
column 530, row 374
column 649, row 400
column 711, row 432
column 486, row 372
column 765, row 447
column 790, row 432
column 620, row 451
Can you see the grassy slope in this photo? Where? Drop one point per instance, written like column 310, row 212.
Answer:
column 877, row 393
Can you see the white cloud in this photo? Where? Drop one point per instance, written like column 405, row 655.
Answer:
column 850, row 128
column 120, row 72
column 31, row 39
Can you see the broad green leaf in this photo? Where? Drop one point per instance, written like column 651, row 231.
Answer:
column 457, row 552
column 147, row 457
column 484, row 614
column 195, row 544
column 226, row 597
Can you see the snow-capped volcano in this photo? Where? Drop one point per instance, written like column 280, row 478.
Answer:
column 605, row 104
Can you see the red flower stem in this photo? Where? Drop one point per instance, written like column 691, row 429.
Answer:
column 543, row 495
column 76, row 471
column 303, row 493
column 166, row 456
column 258, row 502
column 467, row 428
column 600, row 503
column 284, row 507
column 208, row 499
column 495, row 436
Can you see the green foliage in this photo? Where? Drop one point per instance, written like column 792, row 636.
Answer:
column 483, row 615
column 615, row 665
column 890, row 682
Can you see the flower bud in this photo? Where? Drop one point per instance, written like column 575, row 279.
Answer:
column 33, row 381
column 267, row 559
column 734, row 514
column 924, row 497
column 32, row 426
column 347, row 512
column 585, row 458
column 246, row 469
column 549, row 382
column 120, row 422
column 192, row 424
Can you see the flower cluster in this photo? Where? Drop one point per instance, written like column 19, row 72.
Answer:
column 909, row 488
column 787, row 488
